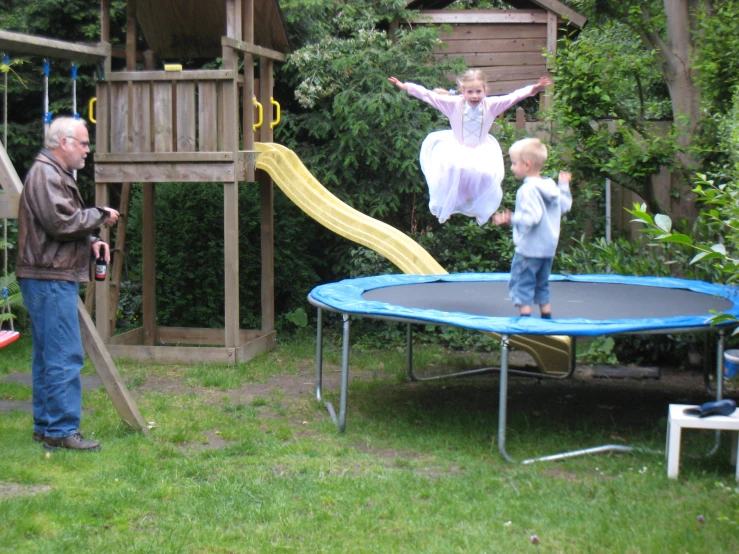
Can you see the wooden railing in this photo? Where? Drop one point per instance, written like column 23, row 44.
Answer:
column 167, row 112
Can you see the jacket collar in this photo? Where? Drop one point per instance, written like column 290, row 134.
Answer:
column 46, row 156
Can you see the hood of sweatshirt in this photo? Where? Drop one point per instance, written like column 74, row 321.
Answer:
column 546, row 187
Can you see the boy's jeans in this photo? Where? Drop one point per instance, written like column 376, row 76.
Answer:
column 57, row 355
column 529, row 281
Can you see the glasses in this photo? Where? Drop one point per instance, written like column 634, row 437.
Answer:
column 83, row 143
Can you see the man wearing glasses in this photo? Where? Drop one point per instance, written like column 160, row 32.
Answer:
column 57, row 241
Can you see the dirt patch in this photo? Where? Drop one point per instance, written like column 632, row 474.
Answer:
column 14, row 490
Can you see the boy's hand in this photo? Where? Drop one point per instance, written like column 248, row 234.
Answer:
column 565, row 177
column 502, row 218
column 401, row 86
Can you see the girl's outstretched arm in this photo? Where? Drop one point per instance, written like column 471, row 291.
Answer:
column 401, row 86
column 543, row 83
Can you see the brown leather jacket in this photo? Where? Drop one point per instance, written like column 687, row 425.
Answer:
column 55, row 229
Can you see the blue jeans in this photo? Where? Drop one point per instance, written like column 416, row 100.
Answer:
column 57, row 355
column 529, row 281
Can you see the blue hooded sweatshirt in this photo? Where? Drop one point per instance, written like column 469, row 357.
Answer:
column 540, row 204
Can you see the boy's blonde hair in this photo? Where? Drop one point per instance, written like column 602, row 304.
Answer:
column 530, row 150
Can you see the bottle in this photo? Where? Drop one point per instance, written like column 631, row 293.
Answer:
column 101, row 269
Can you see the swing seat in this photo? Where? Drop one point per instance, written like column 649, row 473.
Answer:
column 6, row 337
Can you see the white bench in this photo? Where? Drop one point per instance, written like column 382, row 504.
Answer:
column 677, row 419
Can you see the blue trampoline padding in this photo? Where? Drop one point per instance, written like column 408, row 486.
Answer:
column 346, row 296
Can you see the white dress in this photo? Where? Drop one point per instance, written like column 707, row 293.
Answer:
column 464, row 166
column 463, row 178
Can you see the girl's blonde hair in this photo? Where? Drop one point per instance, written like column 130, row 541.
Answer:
column 469, row 76
column 530, row 150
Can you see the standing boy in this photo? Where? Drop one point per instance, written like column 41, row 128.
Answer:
column 540, row 204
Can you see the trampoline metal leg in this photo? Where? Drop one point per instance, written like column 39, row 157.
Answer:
column 503, row 397
column 344, row 372
column 409, row 354
column 319, row 354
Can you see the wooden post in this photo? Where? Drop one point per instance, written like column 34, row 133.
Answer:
column 247, row 124
column 102, row 300
column 149, row 265
column 266, row 85
column 230, row 141
column 552, row 29
column 105, row 31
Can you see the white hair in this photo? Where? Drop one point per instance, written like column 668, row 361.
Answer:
column 61, row 127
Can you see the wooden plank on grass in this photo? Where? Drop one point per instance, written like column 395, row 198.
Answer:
column 108, row 373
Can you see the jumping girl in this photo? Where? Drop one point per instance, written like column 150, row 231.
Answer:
column 464, row 166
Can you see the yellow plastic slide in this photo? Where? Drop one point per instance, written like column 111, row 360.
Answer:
column 552, row 354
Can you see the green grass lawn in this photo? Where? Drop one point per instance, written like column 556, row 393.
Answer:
column 243, row 459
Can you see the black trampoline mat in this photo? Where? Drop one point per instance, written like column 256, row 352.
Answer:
column 597, row 301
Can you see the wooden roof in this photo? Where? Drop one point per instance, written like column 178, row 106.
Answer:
column 554, row 6
column 193, row 28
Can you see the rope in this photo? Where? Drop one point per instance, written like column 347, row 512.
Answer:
column 47, row 113
column 5, row 293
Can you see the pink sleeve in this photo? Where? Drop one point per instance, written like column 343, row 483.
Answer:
column 445, row 104
column 496, row 105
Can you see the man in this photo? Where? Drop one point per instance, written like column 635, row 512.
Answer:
column 56, row 243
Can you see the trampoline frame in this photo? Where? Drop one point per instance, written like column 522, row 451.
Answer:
column 504, row 370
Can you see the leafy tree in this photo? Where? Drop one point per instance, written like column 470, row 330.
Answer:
column 640, row 60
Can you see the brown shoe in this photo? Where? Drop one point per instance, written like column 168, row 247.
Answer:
column 38, row 437
column 72, row 442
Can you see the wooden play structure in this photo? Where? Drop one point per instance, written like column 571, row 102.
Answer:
column 507, row 45
column 159, row 125
column 156, row 125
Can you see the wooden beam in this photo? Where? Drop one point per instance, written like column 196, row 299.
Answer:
column 479, row 16
column 174, row 354
column 258, row 346
column 106, row 370
column 194, row 75
column 29, row 44
column 9, row 179
column 164, row 157
column 167, row 173
column 9, row 205
column 248, row 48
column 565, row 12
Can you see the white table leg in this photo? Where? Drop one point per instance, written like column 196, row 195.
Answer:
column 735, row 452
column 673, row 449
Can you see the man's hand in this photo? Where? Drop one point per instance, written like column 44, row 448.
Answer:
column 112, row 218
column 101, row 249
column 565, row 177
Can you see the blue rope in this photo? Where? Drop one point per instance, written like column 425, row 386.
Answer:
column 47, row 115
column 74, row 89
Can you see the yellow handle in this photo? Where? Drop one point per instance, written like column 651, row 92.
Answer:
column 90, row 110
column 258, row 124
column 276, row 122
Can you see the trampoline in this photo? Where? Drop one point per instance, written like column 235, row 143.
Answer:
column 583, row 305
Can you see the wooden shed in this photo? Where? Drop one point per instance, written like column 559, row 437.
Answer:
column 507, row 45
